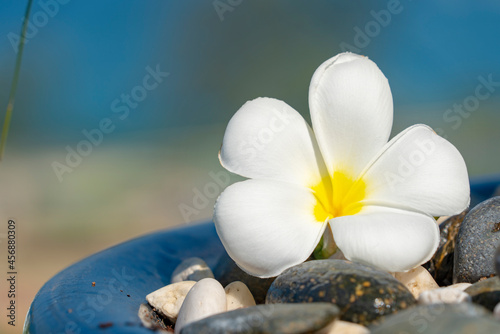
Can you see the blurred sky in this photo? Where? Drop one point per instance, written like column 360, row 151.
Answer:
column 91, row 52
column 83, row 55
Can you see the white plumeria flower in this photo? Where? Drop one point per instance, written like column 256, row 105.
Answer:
column 376, row 197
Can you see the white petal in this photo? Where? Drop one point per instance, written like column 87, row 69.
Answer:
column 267, row 226
column 268, row 139
column 421, row 171
column 351, row 111
column 389, row 239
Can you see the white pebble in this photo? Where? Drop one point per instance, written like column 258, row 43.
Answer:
column 417, row 280
column 206, row 298
column 191, row 269
column 442, row 219
column 238, row 296
column 460, row 286
column 447, row 295
column 168, row 300
column 344, row 327
column 496, row 311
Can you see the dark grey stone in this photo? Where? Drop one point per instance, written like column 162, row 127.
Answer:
column 485, row 293
column 463, row 318
column 274, row 318
column 497, row 261
column 476, row 243
column 441, row 264
column 227, row 271
column 192, row 269
column 362, row 293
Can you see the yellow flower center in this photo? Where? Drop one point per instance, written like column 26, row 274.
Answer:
column 338, row 196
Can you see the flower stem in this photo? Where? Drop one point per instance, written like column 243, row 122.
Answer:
column 326, row 246
column 15, row 79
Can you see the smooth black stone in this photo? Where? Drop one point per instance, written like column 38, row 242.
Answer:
column 476, row 243
column 362, row 293
column 226, row 271
column 486, row 292
column 441, row 264
column 273, row 318
column 463, row 318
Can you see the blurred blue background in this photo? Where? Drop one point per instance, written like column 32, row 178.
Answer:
column 147, row 172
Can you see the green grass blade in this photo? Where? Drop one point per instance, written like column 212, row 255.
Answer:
column 13, row 87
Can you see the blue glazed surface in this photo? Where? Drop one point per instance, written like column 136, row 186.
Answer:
column 68, row 303
column 126, row 273
column 483, row 188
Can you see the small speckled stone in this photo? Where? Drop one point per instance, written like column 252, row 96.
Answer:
column 441, row 264
column 417, row 280
column 362, row 293
column 447, row 295
column 463, row 318
column 476, row 242
column 344, row 327
column 226, row 271
column 275, row 318
column 191, row 269
column 486, row 292
column 168, row 300
column 238, row 296
column 207, row 297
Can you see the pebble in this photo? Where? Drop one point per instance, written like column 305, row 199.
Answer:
column 442, row 219
column 207, row 297
column 496, row 311
column 440, row 265
column 273, row 318
column 476, row 242
column 497, row 261
column 226, row 271
column 191, row 269
column 463, row 318
column 460, row 286
column 485, row 292
column 238, row 296
column 150, row 319
column 344, row 327
column 417, row 280
column 448, row 295
column 168, row 300
column 363, row 294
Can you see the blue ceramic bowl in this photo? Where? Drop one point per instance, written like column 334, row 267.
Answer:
column 102, row 293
